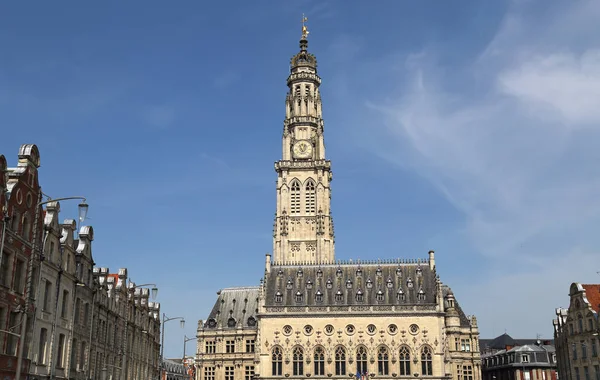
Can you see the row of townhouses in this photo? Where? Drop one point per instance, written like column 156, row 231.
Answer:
column 60, row 316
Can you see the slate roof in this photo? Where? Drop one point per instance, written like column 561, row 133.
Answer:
column 235, row 308
column 350, row 281
column 500, row 342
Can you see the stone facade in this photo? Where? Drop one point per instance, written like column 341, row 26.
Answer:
column 312, row 316
column 19, row 241
column 576, row 330
column 72, row 316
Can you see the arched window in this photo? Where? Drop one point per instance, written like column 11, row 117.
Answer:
column 26, row 227
column 298, row 362
column 340, row 361
column 383, row 364
column 404, row 361
column 580, row 323
column 310, row 197
column 361, row 360
column 295, row 197
column 319, row 361
column 426, row 361
column 277, row 362
column 339, row 296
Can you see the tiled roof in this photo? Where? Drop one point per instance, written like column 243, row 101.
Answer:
column 592, row 292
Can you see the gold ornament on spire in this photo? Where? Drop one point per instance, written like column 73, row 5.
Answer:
column 304, row 29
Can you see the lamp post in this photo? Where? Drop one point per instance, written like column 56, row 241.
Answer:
column 131, row 288
column 185, row 340
column 166, row 319
column 83, row 209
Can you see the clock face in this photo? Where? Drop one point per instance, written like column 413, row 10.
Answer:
column 302, row 149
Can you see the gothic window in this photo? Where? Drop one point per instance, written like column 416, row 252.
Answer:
column 338, row 272
column 380, row 295
column 319, row 273
column 339, row 296
column 319, row 296
column 409, row 282
column 419, row 271
column 359, row 296
column 319, row 361
column 371, row 329
column 300, row 273
column 278, row 297
column 310, row 195
column 359, row 272
column 399, row 272
column 404, row 361
column 298, row 361
column 421, row 295
column 369, row 283
column 383, row 364
column 329, row 329
column 426, row 361
column 340, row 361
column 349, row 283
column 295, row 197
column 298, row 297
column 378, row 271
column 277, row 362
column 289, row 284
column 361, row 360
column 309, row 284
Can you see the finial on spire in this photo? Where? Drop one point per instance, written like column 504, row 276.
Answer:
column 305, row 31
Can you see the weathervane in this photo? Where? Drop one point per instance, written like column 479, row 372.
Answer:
column 304, row 29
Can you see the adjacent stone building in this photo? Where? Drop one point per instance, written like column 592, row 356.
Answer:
column 576, row 330
column 20, row 237
column 504, row 358
column 79, row 322
column 315, row 316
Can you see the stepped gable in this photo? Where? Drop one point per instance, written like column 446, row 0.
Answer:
column 298, row 285
column 235, row 308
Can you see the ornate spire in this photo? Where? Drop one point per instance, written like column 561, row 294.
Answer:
column 304, row 58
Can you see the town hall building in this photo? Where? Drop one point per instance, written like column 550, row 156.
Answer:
column 312, row 316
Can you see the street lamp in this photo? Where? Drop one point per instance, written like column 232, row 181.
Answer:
column 83, row 208
column 185, row 340
column 132, row 287
column 166, row 319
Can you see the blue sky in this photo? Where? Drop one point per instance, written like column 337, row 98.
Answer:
column 466, row 127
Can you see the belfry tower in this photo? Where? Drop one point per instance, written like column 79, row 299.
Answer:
column 303, row 228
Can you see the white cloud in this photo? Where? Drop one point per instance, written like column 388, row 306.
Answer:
column 519, row 158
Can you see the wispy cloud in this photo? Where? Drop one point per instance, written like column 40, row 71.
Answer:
column 511, row 148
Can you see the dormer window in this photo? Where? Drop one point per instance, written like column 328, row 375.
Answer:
column 419, row 271
column 369, row 283
column 378, row 272
column 380, row 295
column 359, row 272
column 319, row 273
column 390, row 283
column 318, row 296
column 338, row 272
column 400, row 295
column 349, row 284
column 251, row 321
column 212, row 323
column 231, row 322
column 524, row 358
column 409, row 282
column 278, row 297
column 289, row 284
column 309, row 284
column 329, row 284
column 280, row 273
column 300, row 273
column 421, row 295
column 339, row 296
column 298, row 297
column 399, row 272
column 359, row 296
